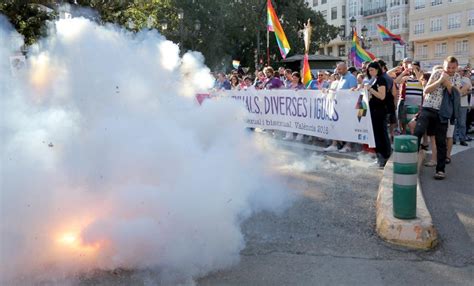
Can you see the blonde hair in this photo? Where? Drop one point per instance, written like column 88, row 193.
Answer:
column 269, row 69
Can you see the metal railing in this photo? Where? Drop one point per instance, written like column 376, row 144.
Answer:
column 374, row 11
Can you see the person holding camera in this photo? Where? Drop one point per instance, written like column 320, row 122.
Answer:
column 441, row 80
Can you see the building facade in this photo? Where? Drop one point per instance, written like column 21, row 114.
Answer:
column 335, row 13
column 432, row 29
column 439, row 28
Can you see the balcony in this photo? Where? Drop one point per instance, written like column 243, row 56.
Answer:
column 398, row 3
column 374, row 11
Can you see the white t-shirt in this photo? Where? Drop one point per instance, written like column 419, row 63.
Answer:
column 465, row 81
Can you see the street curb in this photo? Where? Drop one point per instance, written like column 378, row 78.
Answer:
column 418, row 233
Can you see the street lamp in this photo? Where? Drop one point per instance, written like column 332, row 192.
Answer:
column 364, row 31
column 149, row 22
column 164, row 25
column 352, row 22
column 197, row 25
column 130, row 24
column 180, row 14
column 366, row 42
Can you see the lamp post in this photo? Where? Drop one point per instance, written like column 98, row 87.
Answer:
column 181, row 27
column 150, row 21
column 366, row 42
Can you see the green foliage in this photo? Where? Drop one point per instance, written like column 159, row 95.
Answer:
column 232, row 29
column 27, row 19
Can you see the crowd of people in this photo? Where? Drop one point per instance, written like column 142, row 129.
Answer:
column 442, row 95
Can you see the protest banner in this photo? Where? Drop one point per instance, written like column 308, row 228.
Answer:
column 338, row 115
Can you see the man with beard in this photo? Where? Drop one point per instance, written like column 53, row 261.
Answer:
column 441, row 79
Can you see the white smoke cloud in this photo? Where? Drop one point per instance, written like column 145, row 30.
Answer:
column 108, row 162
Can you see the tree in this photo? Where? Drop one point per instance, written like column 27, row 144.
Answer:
column 27, row 18
column 233, row 29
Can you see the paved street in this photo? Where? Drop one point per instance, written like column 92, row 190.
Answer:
column 327, row 236
column 451, row 203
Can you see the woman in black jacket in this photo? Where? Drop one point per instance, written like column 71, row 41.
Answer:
column 377, row 89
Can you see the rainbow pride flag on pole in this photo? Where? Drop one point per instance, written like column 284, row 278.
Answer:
column 388, row 36
column 359, row 54
column 307, row 78
column 273, row 25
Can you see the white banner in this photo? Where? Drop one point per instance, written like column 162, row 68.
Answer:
column 342, row 115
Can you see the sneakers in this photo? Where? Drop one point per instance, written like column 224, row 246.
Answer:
column 345, row 149
column 439, row 175
column 430, row 164
column 463, row 143
column 331, row 148
column 376, row 165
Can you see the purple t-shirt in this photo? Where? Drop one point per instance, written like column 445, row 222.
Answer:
column 273, row 82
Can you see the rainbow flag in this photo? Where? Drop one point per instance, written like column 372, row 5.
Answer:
column 387, row 36
column 359, row 54
column 307, row 78
column 273, row 25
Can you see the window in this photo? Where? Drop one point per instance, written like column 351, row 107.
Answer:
column 419, row 4
column 330, row 51
column 333, row 13
column 454, row 21
column 405, row 21
column 395, row 21
column 436, row 24
column 422, row 51
column 325, row 14
column 341, row 51
column 470, row 18
column 441, row 49
column 324, row 2
column 419, row 27
column 461, row 47
column 321, row 51
column 436, row 2
column 315, row 2
column 353, row 8
column 343, row 14
column 343, row 28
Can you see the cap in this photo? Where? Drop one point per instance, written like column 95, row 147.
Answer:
column 407, row 60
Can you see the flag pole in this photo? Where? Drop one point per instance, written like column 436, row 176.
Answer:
column 268, row 47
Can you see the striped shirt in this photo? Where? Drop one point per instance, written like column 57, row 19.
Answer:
column 412, row 91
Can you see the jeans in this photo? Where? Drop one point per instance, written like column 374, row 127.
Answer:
column 429, row 118
column 460, row 131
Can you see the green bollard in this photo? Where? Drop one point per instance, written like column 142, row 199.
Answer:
column 411, row 111
column 405, row 174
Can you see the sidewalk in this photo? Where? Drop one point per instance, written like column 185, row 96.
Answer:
column 450, row 203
